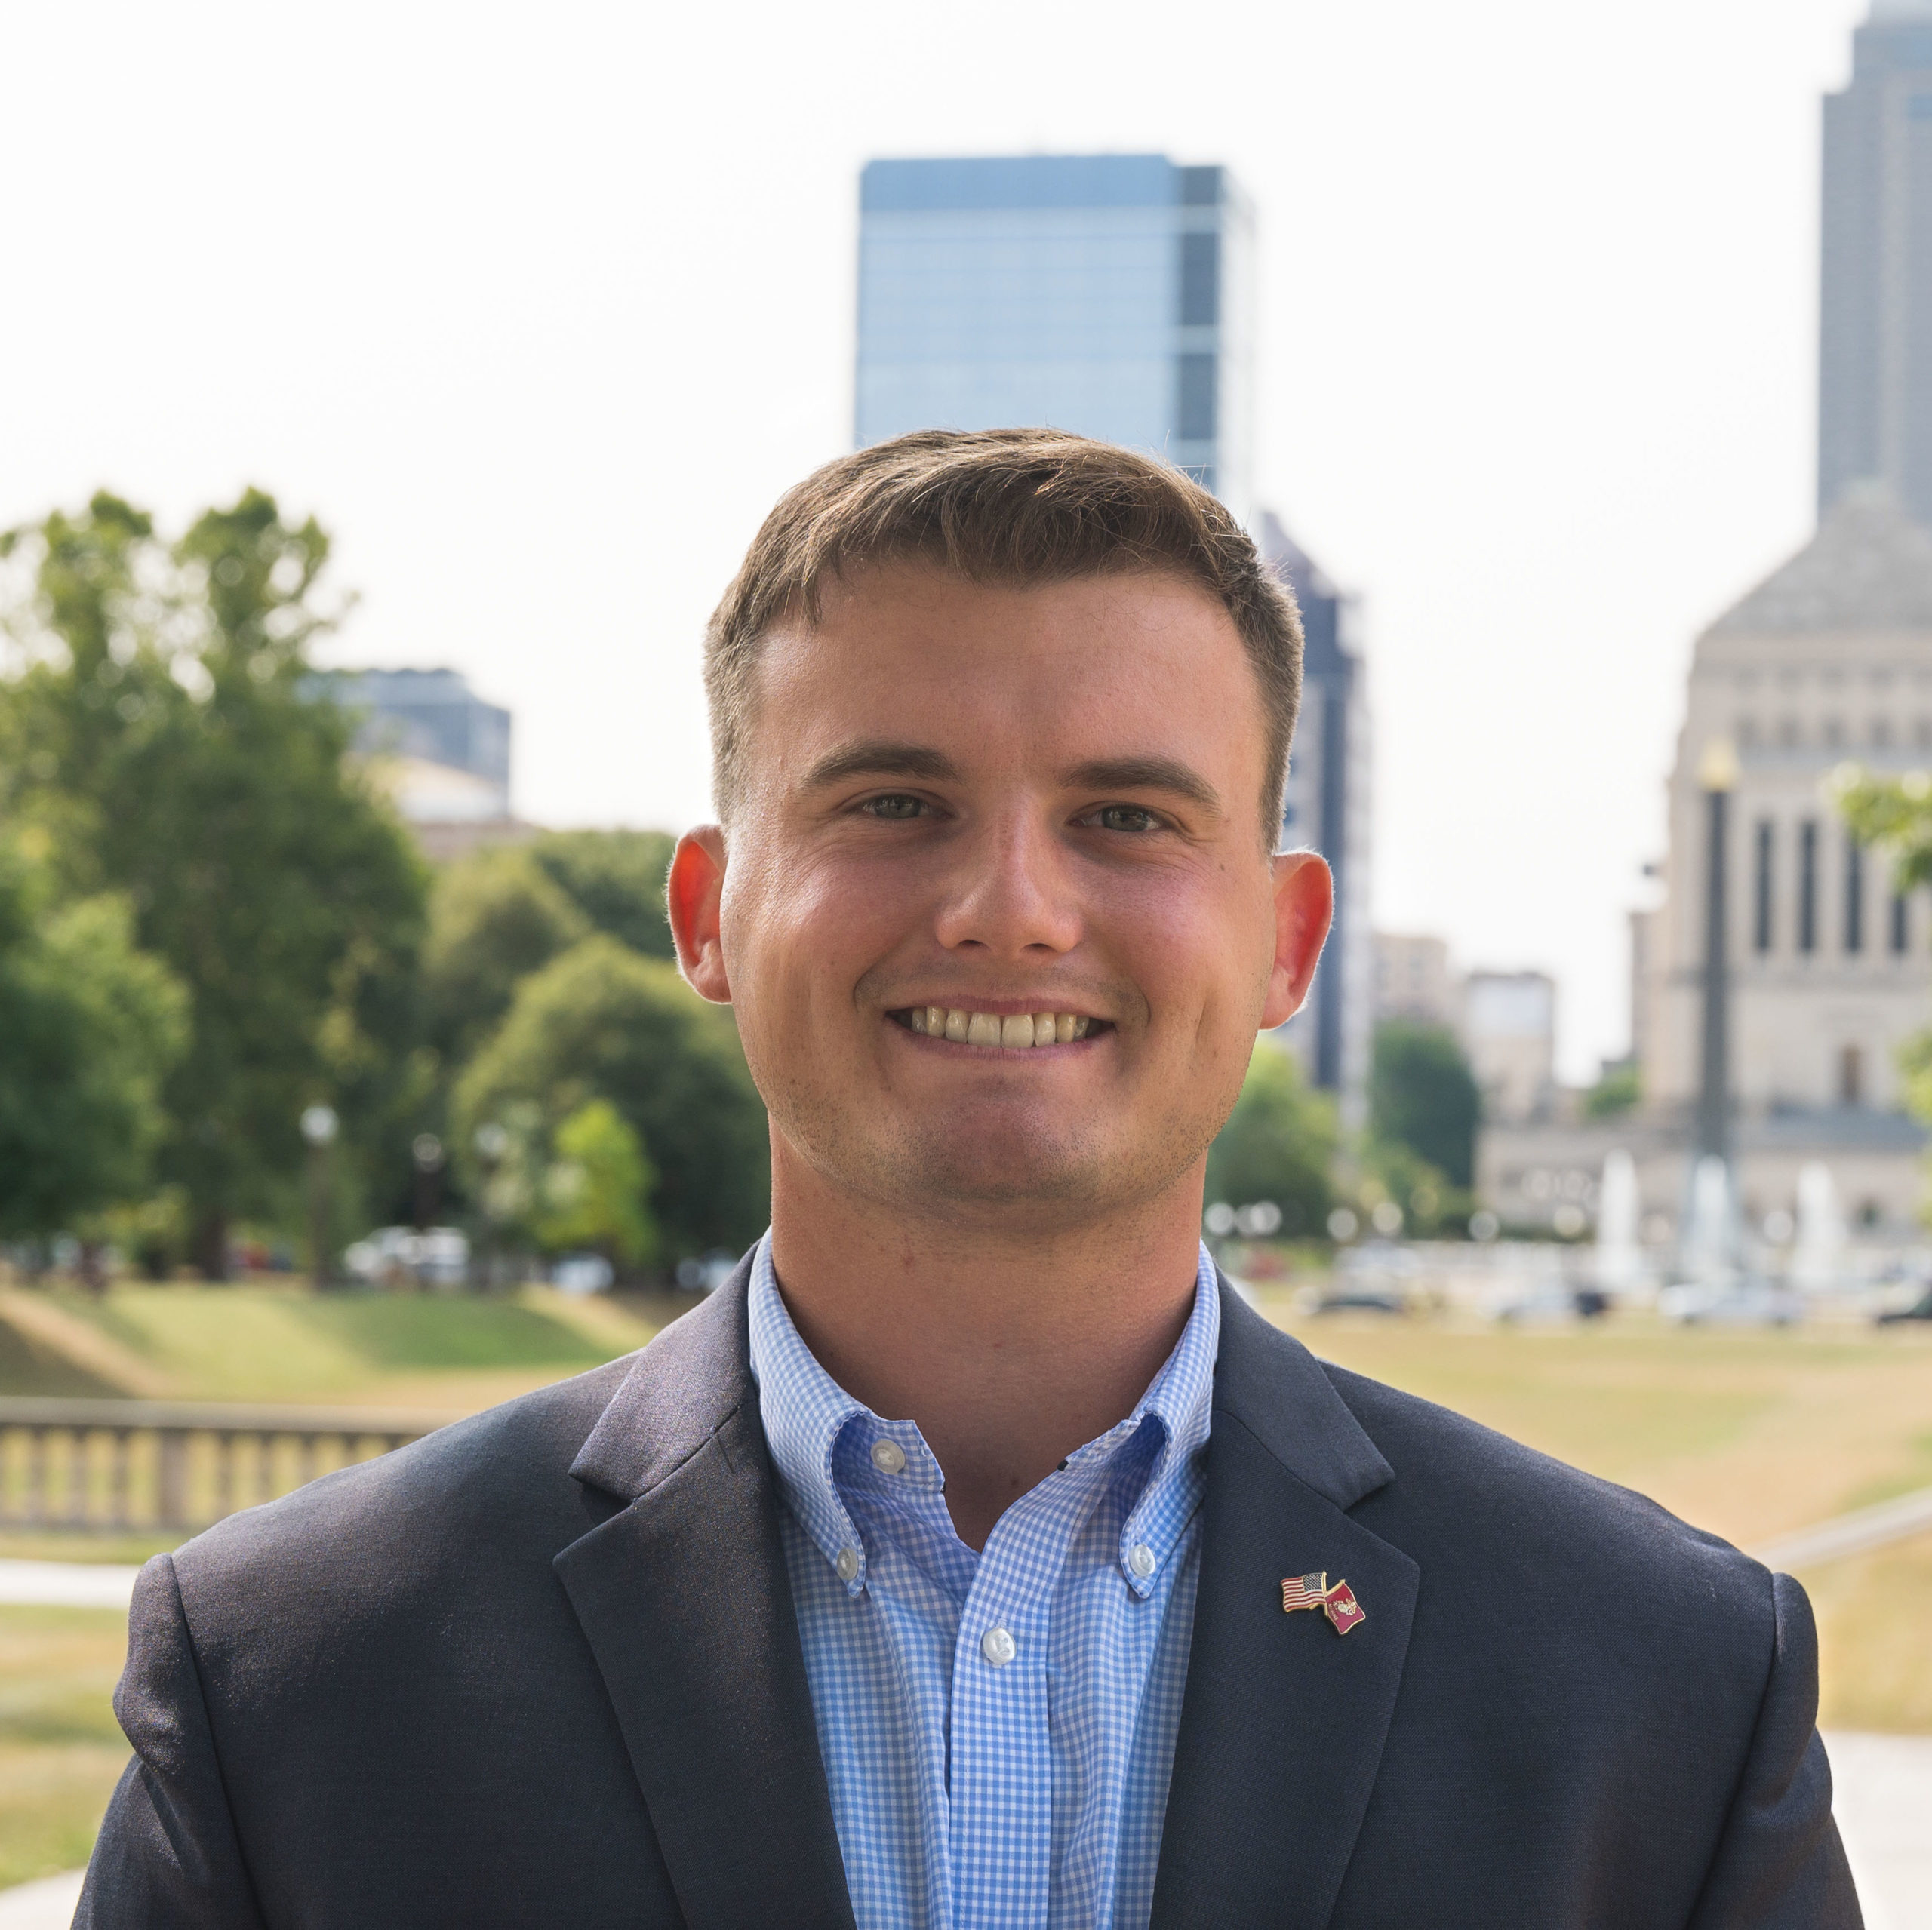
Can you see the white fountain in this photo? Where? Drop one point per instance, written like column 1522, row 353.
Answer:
column 1620, row 1259
column 1817, row 1265
column 1709, row 1251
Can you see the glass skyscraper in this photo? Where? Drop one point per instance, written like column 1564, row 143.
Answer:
column 1107, row 294
column 1874, row 376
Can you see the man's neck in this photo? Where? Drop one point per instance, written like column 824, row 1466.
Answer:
column 1010, row 1350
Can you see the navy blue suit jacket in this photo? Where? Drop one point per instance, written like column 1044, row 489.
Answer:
column 541, row 1669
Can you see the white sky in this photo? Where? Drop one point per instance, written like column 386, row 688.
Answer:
column 539, row 308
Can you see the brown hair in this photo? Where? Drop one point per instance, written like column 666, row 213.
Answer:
column 1015, row 506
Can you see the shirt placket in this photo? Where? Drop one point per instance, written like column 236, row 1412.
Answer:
column 1002, row 1758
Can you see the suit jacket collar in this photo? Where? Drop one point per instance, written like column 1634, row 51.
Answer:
column 1283, row 1721
column 684, row 1599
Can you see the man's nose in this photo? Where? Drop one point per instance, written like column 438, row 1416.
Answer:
column 1009, row 892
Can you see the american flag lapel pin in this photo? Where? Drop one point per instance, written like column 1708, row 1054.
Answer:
column 1312, row 1591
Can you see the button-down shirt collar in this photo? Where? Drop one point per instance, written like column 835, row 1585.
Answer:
column 830, row 1448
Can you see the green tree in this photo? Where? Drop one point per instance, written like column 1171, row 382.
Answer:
column 597, row 1191
column 616, row 879
column 601, row 1022
column 494, row 918
column 160, row 723
column 1893, row 815
column 1423, row 1095
column 89, row 1026
column 1619, row 1091
column 1279, row 1144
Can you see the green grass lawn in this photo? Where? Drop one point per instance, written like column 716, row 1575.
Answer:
column 282, row 1342
column 61, row 1752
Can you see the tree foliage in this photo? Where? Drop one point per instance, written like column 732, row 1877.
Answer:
column 616, row 879
column 89, row 1026
column 1894, row 815
column 601, row 1022
column 1423, row 1095
column 157, row 728
column 494, row 918
column 596, row 1191
column 1277, row 1144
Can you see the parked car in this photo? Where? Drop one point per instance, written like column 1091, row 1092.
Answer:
column 1744, row 1303
column 1921, row 1309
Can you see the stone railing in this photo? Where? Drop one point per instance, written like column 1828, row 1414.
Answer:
column 171, row 1465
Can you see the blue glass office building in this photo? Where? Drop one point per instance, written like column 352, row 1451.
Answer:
column 1108, row 294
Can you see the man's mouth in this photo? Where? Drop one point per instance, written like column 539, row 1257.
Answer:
column 1015, row 1031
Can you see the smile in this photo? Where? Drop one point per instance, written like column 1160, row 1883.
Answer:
column 1018, row 1031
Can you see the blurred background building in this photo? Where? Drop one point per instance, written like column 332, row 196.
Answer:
column 1830, row 658
column 1113, row 295
column 1874, row 389
column 1326, row 806
column 1509, row 1033
column 439, row 751
column 1413, row 981
column 1108, row 294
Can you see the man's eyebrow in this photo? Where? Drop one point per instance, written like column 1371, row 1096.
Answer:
column 1147, row 773
column 879, row 758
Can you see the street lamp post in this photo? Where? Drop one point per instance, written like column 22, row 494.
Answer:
column 1710, row 1243
column 319, row 1125
column 1717, row 775
column 492, row 1142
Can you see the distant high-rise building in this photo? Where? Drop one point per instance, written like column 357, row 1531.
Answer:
column 1414, row 981
column 1874, row 376
column 429, row 714
column 1326, row 808
column 439, row 751
column 1106, row 294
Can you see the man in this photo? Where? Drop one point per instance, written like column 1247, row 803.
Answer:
column 973, row 1557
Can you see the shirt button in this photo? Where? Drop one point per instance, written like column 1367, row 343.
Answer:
column 848, row 1563
column 889, row 1457
column 999, row 1647
column 1140, row 1558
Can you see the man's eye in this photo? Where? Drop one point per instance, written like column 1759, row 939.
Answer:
column 896, row 807
column 1126, row 817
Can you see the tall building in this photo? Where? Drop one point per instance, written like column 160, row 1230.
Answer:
column 1509, row 1033
column 1874, row 385
column 431, row 715
column 1326, row 808
column 441, row 754
column 1414, row 981
column 1830, row 658
column 1106, row 294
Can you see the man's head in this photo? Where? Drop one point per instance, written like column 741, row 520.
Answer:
column 1000, row 723
column 1022, row 507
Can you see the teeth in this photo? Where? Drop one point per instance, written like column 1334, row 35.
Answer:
column 988, row 1028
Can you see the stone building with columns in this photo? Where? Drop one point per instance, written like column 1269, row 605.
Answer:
column 1827, row 662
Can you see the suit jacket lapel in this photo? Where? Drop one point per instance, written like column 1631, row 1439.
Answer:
column 683, row 1598
column 1283, row 1722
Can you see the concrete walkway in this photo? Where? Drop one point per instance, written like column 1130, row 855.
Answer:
column 46, row 1905
column 66, row 1584
column 1882, row 1793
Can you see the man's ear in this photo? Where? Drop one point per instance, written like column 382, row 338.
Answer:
column 1304, row 904
column 694, row 895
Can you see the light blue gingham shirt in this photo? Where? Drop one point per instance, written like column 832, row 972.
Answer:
column 978, row 1783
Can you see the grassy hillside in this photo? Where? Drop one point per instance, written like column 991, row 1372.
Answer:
column 452, row 1351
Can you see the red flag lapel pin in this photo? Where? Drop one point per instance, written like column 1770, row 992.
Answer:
column 1312, row 1591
